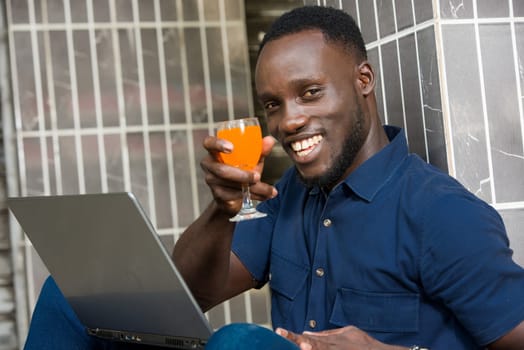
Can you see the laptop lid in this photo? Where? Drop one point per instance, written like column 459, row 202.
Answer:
column 109, row 263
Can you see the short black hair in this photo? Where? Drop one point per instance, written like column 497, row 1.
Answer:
column 336, row 25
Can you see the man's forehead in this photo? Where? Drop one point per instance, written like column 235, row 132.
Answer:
column 307, row 38
column 297, row 60
column 301, row 46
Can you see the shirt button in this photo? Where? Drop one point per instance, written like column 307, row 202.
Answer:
column 312, row 323
column 320, row 272
column 327, row 222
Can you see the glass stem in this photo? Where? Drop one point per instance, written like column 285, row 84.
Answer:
column 247, row 203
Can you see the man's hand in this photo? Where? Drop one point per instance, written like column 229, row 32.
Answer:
column 226, row 181
column 347, row 338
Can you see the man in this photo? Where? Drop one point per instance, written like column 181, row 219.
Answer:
column 365, row 246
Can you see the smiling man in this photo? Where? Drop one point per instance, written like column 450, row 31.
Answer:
column 365, row 246
column 321, row 109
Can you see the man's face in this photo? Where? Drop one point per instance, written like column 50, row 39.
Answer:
column 308, row 88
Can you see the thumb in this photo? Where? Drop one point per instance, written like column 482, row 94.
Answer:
column 267, row 145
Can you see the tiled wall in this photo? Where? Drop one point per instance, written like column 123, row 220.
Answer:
column 482, row 60
column 451, row 73
column 400, row 37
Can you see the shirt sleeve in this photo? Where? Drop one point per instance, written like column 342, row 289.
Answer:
column 252, row 244
column 467, row 265
column 252, row 238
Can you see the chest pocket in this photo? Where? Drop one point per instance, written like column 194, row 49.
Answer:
column 376, row 312
column 286, row 280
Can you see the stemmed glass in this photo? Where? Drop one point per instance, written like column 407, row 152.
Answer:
column 246, row 136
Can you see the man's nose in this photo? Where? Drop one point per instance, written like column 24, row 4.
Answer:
column 294, row 118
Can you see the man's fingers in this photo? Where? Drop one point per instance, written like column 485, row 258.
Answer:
column 328, row 332
column 227, row 172
column 226, row 181
column 267, row 145
column 262, row 191
column 215, row 145
column 301, row 341
column 286, row 334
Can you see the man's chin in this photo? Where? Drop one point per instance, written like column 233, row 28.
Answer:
column 326, row 180
column 309, row 182
column 312, row 181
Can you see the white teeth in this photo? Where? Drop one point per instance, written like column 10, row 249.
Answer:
column 304, row 152
column 304, row 147
column 305, row 144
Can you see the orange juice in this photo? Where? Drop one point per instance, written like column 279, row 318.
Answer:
column 247, row 146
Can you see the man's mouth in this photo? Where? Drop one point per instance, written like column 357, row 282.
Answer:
column 303, row 147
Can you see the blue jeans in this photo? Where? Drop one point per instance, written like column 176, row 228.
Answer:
column 55, row 326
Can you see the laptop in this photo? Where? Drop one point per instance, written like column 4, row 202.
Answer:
column 109, row 263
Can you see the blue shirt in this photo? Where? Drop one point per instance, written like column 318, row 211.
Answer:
column 399, row 249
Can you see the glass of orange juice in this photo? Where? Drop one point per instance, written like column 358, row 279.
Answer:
column 246, row 136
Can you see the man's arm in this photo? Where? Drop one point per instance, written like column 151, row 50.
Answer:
column 514, row 340
column 203, row 256
column 203, row 252
column 348, row 338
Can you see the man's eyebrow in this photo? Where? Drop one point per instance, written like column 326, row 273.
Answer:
column 296, row 83
column 304, row 81
column 265, row 96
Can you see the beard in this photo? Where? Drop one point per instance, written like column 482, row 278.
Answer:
column 340, row 163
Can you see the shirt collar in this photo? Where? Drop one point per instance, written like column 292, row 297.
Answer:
column 369, row 177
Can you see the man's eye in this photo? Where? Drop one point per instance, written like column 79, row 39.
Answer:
column 269, row 105
column 311, row 92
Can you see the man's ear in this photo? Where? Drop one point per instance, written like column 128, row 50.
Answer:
column 366, row 78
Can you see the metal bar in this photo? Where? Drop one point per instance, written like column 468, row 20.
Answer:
column 165, row 113
column 17, row 27
column 227, row 68
column 39, row 101
column 120, row 96
column 51, row 100
column 74, row 96
column 187, row 108
column 144, row 115
column 97, row 95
